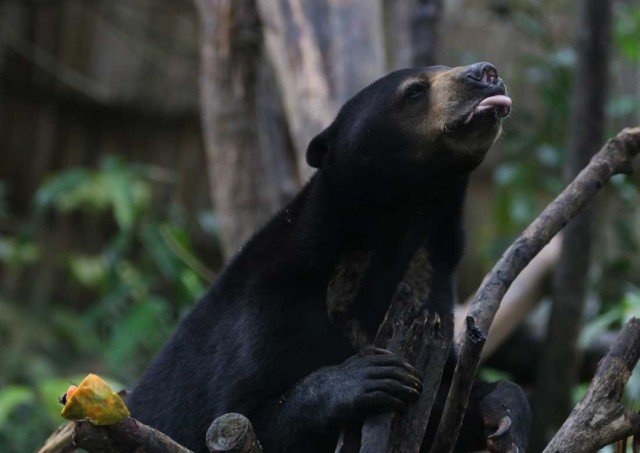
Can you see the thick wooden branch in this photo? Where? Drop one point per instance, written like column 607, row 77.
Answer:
column 124, row 436
column 615, row 157
column 229, row 433
column 454, row 410
column 416, row 334
column 599, row 419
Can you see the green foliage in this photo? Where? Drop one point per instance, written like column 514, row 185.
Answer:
column 613, row 317
column 17, row 252
column 116, row 186
column 626, row 28
column 126, row 292
column 534, row 147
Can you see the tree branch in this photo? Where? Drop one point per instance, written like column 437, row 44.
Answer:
column 126, row 435
column 417, row 334
column 447, row 430
column 60, row 441
column 523, row 297
column 599, row 419
column 229, row 433
column 615, row 157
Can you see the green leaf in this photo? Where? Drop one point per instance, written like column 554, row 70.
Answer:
column 15, row 251
column 89, row 271
column 56, row 187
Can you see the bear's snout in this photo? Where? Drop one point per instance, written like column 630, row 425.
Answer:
column 482, row 72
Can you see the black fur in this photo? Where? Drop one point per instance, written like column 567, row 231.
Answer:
column 260, row 342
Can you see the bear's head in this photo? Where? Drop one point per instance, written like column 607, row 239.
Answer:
column 413, row 124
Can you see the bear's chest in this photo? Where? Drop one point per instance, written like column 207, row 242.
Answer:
column 364, row 284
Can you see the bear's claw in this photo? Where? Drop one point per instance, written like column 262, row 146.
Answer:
column 500, row 441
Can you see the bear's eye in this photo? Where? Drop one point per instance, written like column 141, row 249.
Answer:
column 415, row 90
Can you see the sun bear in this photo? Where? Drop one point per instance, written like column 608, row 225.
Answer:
column 392, row 170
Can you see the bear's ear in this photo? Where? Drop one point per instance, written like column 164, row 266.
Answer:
column 318, row 148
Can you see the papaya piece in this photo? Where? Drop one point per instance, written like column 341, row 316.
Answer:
column 94, row 400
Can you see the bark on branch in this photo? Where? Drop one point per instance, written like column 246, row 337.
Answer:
column 615, row 157
column 417, row 334
column 474, row 340
column 124, row 436
column 599, row 419
column 229, row 433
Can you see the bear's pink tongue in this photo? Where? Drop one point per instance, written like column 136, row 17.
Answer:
column 501, row 102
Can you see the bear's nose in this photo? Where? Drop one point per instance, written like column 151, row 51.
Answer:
column 483, row 72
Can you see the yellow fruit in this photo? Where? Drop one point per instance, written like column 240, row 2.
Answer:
column 94, row 400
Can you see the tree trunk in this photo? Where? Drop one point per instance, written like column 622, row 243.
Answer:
column 323, row 52
column 559, row 368
column 246, row 142
column 411, row 32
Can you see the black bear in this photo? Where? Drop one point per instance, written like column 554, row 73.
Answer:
column 392, row 171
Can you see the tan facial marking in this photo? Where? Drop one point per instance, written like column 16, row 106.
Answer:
column 445, row 98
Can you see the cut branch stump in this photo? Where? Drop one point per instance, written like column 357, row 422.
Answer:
column 232, row 433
